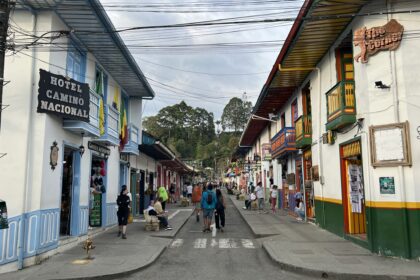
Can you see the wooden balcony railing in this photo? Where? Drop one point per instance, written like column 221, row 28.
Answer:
column 303, row 127
column 341, row 105
column 283, row 142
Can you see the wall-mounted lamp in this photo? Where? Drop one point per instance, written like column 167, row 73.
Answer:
column 128, row 164
column 81, row 150
column 379, row 84
column 106, row 156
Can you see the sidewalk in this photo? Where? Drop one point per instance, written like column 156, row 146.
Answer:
column 112, row 256
column 307, row 249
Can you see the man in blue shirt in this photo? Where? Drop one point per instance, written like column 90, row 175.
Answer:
column 208, row 204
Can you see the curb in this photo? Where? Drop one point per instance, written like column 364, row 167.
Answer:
column 330, row 274
column 137, row 269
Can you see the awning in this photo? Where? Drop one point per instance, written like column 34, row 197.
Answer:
column 317, row 27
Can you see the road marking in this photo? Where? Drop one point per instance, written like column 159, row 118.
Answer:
column 177, row 243
column 213, row 243
column 173, row 214
column 247, row 243
column 227, row 243
column 200, row 243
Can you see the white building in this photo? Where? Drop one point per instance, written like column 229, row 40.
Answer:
column 45, row 178
column 344, row 92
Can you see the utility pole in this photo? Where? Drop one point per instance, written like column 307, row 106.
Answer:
column 5, row 7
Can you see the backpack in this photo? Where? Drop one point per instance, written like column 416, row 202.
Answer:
column 209, row 198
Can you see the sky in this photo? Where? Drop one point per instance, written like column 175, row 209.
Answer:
column 203, row 65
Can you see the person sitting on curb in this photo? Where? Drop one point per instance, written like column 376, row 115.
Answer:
column 160, row 213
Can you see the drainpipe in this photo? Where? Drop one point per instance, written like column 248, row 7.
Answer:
column 392, row 58
column 29, row 153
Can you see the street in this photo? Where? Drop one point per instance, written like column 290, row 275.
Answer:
column 234, row 254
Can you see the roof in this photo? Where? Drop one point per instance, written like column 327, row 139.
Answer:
column 95, row 31
column 317, row 26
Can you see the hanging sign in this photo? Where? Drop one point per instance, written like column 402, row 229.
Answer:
column 376, row 39
column 99, row 148
column 266, row 152
column 67, row 98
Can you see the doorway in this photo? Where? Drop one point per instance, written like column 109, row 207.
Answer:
column 353, row 189
column 135, row 191
column 97, row 192
column 309, row 186
column 66, row 192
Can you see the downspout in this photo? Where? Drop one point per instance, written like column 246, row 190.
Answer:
column 29, row 154
column 393, row 68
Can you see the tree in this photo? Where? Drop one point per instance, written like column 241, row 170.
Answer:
column 235, row 114
column 182, row 128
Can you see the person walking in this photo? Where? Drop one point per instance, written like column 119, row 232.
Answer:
column 208, row 203
column 123, row 202
column 260, row 196
column 162, row 193
column 196, row 200
column 273, row 198
column 220, row 211
column 189, row 191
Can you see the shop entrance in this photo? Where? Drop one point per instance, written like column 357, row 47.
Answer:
column 70, row 193
column 135, row 191
column 353, row 190
column 97, row 191
column 309, row 186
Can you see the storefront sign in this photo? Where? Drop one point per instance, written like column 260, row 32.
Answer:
column 387, row 185
column 266, row 152
column 64, row 97
column 4, row 224
column 98, row 148
column 376, row 39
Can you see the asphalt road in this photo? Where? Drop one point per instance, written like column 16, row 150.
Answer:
column 234, row 254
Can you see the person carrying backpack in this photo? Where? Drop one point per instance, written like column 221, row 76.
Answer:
column 208, row 204
column 123, row 202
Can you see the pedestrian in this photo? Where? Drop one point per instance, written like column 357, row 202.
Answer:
column 300, row 209
column 273, row 198
column 208, row 204
column 162, row 193
column 189, row 191
column 260, row 196
column 184, row 190
column 160, row 213
column 123, row 202
column 196, row 200
column 172, row 193
column 220, row 211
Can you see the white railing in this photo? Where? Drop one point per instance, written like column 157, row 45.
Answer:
column 113, row 121
column 134, row 134
column 94, row 108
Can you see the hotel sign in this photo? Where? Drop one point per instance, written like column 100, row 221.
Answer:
column 376, row 39
column 67, row 98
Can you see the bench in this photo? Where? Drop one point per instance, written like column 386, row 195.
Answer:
column 152, row 222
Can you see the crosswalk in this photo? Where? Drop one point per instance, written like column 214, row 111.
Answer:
column 221, row 243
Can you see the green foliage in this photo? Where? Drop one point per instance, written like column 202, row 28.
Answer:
column 235, row 114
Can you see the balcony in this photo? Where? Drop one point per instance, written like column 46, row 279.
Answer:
column 283, row 142
column 90, row 128
column 111, row 127
column 341, row 105
column 303, row 131
column 132, row 147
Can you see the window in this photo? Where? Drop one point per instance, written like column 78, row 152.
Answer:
column 100, row 82
column 295, row 113
column 76, row 61
column 283, row 120
column 344, row 65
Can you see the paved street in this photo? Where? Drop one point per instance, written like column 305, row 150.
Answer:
column 233, row 254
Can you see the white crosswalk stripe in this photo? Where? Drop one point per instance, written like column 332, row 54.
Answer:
column 222, row 243
column 200, row 243
column 177, row 243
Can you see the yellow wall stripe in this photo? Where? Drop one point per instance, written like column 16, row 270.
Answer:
column 326, row 199
column 393, row 204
